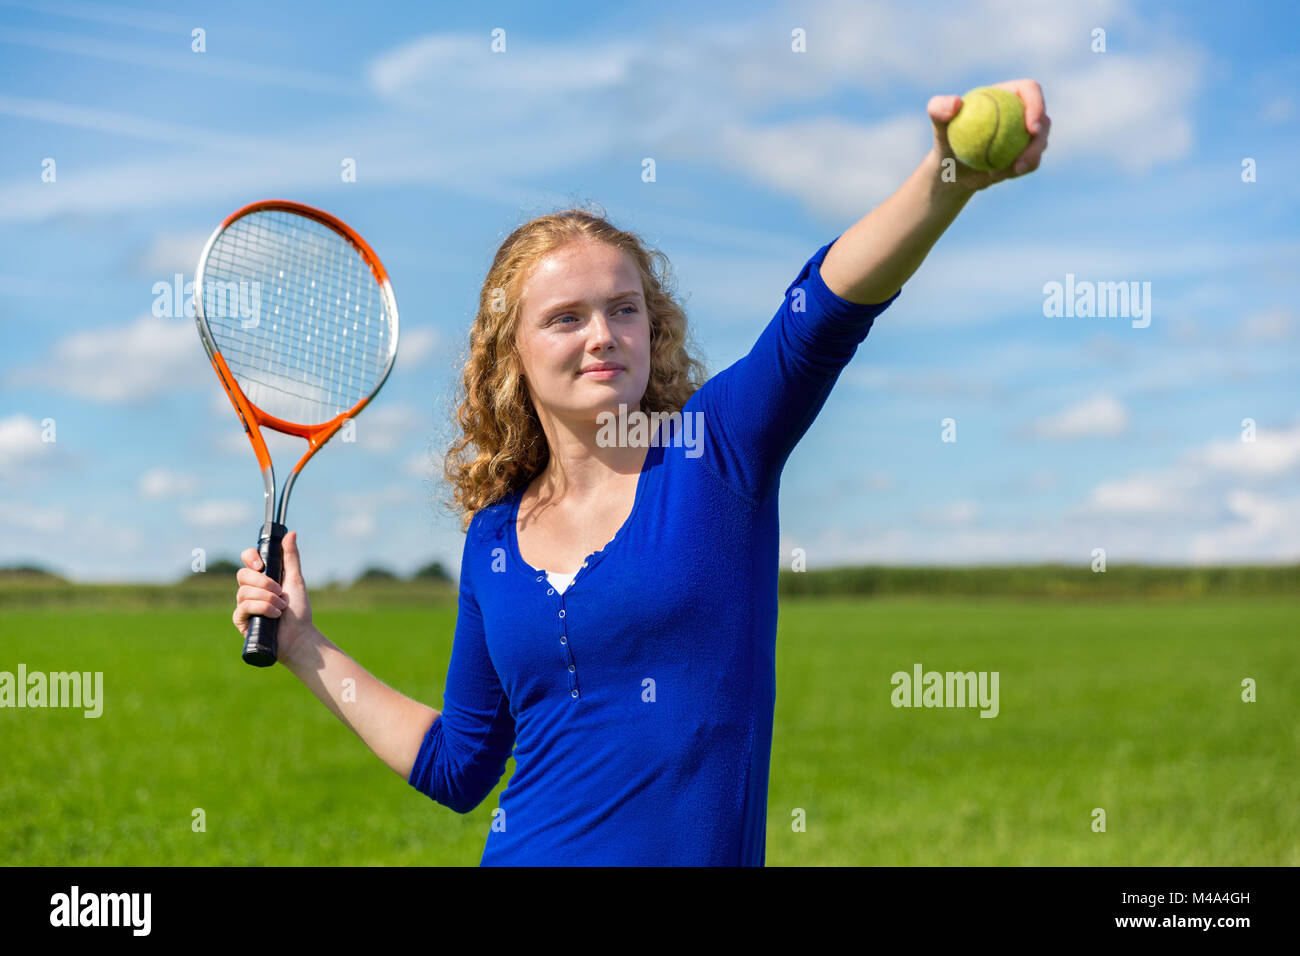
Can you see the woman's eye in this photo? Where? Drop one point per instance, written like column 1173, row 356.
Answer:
column 559, row 319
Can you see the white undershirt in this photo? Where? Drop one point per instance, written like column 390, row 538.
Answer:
column 560, row 581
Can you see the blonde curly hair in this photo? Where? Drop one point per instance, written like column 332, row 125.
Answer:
column 502, row 446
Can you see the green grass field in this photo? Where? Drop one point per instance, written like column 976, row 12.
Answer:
column 1131, row 706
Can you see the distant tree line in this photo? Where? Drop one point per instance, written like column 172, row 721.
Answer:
column 430, row 572
column 1042, row 581
column 1037, row 581
column 28, row 572
column 224, row 567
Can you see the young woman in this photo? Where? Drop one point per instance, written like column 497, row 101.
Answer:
column 618, row 587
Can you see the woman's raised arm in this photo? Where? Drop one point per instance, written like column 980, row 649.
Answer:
column 876, row 256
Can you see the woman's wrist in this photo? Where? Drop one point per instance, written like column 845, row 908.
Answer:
column 945, row 186
column 304, row 651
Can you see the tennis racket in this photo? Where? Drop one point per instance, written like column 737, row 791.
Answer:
column 299, row 320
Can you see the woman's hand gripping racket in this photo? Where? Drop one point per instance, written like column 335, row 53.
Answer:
column 300, row 322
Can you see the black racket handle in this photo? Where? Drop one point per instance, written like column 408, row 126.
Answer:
column 260, row 644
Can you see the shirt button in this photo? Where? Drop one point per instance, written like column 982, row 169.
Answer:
column 561, row 614
column 563, row 639
column 570, row 668
column 573, row 693
column 539, row 579
column 550, row 590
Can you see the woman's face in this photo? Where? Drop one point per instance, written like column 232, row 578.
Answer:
column 583, row 306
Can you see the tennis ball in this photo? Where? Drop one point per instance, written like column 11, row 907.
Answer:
column 988, row 131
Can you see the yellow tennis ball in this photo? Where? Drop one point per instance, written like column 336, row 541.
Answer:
column 988, row 131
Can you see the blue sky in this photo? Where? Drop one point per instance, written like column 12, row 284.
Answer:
column 1072, row 433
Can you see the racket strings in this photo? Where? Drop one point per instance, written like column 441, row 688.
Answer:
column 298, row 315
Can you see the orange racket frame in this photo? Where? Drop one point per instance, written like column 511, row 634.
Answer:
column 250, row 415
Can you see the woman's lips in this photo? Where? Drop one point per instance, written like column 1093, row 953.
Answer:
column 603, row 373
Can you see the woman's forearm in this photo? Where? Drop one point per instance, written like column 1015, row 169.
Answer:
column 391, row 724
column 878, row 254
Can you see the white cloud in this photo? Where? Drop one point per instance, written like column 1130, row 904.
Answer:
column 122, row 363
column 1202, row 508
column 740, row 287
column 358, row 515
column 1099, row 416
column 910, row 380
column 386, row 427
column 219, row 402
column 1274, row 325
column 415, row 73
column 1273, row 452
column 84, row 544
column 829, row 163
column 1143, row 494
column 218, row 514
column 953, row 513
column 181, row 62
column 170, row 253
column 20, row 443
column 423, row 465
column 875, row 43
column 115, row 124
column 1266, row 527
column 233, row 441
column 1278, row 110
column 969, row 282
column 414, row 346
column 356, row 524
column 395, row 495
column 285, row 450
column 700, row 95
column 952, row 546
column 1254, row 508
column 161, row 483
column 1134, row 112
column 19, row 520
column 285, row 166
column 1039, row 481
column 1260, row 529
column 879, row 481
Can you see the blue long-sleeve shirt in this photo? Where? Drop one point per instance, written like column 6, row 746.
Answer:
column 639, row 701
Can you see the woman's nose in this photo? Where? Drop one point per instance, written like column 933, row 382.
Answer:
column 600, row 328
